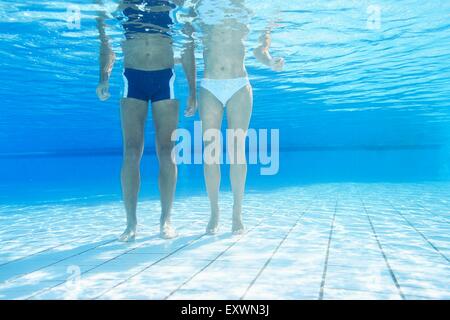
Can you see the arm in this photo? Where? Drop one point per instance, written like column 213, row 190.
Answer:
column 262, row 53
column 106, row 59
column 189, row 67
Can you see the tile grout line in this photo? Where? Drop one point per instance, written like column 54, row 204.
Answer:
column 214, row 260
column 152, row 264
column 14, row 278
column 149, row 266
column 275, row 251
column 420, row 233
column 370, row 213
column 86, row 271
column 325, row 267
column 429, row 210
column 61, row 260
column 391, row 272
column 417, row 203
column 23, row 235
column 39, row 252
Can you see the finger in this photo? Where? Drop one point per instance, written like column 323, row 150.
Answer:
column 189, row 112
column 105, row 96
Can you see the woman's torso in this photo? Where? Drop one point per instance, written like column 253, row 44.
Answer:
column 224, row 27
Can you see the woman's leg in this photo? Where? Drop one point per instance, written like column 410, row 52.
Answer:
column 211, row 113
column 133, row 117
column 239, row 110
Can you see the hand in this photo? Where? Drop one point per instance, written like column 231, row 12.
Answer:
column 277, row 64
column 191, row 107
column 103, row 91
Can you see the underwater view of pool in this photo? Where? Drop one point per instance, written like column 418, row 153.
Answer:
column 351, row 111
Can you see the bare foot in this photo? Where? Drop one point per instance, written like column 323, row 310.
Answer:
column 213, row 226
column 128, row 235
column 168, row 232
column 238, row 227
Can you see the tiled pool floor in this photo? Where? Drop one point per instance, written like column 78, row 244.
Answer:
column 328, row 241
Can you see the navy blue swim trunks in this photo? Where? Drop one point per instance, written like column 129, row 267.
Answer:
column 149, row 85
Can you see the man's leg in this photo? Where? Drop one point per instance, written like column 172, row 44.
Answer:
column 211, row 114
column 165, row 118
column 239, row 111
column 133, row 116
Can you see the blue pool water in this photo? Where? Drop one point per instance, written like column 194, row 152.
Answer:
column 363, row 108
column 356, row 102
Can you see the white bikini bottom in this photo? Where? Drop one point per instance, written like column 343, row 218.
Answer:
column 224, row 89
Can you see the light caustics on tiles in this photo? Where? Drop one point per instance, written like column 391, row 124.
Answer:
column 330, row 241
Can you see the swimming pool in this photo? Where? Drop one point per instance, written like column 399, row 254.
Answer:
column 358, row 208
